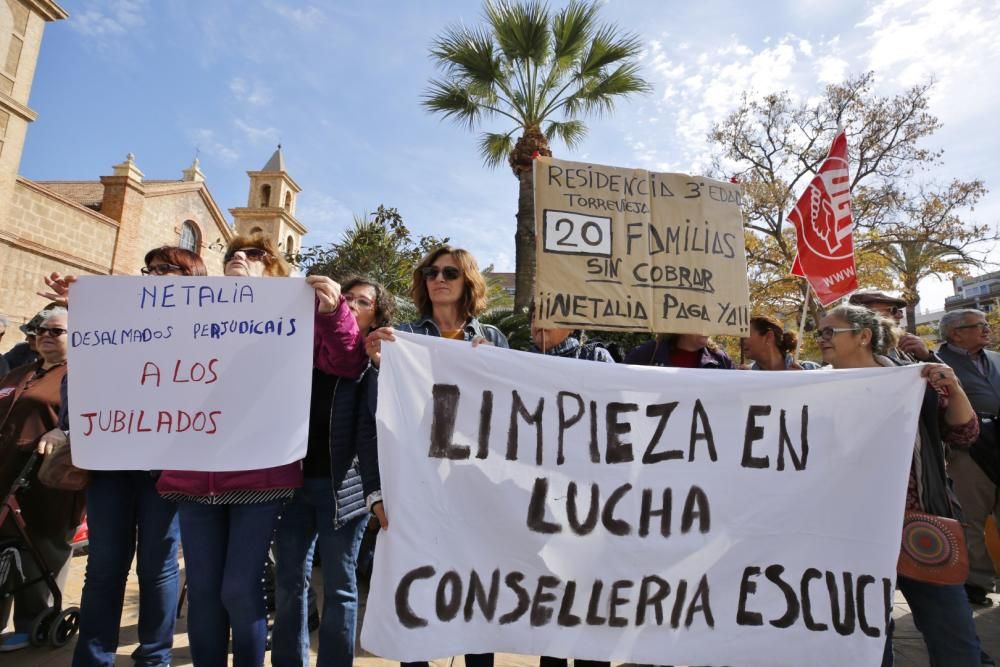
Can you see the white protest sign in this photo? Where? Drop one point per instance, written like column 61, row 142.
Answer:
column 187, row 373
column 548, row 506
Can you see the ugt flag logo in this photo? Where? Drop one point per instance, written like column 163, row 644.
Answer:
column 824, row 228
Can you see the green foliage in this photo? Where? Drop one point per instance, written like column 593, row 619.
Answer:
column 380, row 247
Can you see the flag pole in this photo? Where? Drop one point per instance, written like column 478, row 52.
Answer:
column 802, row 324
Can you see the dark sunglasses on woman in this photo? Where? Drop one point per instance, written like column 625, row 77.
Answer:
column 449, row 272
column 160, row 270
column 55, row 332
column 253, row 254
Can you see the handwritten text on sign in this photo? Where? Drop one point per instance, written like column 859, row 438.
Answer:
column 189, row 373
column 627, row 249
column 548, row 506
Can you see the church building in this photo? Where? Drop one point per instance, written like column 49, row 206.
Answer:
column 105, row 226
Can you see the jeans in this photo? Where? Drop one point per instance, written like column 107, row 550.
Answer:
column 943, row 616
column 305, row 525
column 123, row 512
column 225, row 547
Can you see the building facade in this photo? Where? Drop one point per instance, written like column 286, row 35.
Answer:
column 106, row 225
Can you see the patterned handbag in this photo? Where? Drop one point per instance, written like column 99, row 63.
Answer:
column 933, row 549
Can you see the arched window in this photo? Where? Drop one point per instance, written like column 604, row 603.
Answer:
column 288, row 202
column 190, row 238
column 255, row 231
column 265, row 196
column 290, row 244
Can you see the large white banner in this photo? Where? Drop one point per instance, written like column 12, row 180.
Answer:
column 188, row 373
column 548, row 506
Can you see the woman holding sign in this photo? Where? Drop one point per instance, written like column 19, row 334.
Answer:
column 127, row 518
column 449, row 291
column 855, row 337
column 227, row 518
column 328, row 515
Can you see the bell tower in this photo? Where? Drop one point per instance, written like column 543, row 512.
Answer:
column 270, row 208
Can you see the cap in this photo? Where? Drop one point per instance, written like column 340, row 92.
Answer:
column 874, row 296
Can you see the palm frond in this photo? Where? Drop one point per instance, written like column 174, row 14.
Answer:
column 608, row 47
column 571, row 29
column 599, row 95
column 495, row 148
column 469, row 55
column 521, row 29
column 453, row 101
column 570, row 132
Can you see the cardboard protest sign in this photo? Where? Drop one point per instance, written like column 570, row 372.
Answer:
column 631, row 250
column 549, row 506
column 186, row 373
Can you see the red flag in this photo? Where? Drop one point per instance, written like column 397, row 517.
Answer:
column 825, row 230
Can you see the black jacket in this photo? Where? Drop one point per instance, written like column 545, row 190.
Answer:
column 342, row 442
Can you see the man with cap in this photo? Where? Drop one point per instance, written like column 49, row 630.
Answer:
column 911, row 348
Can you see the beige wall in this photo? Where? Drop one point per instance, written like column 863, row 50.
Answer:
column 43, row 234
column 162, row 220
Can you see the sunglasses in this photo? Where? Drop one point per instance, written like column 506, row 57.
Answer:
column 827, row 333
column 983, row 326
column 253, row 254
column 449, row 272
column 55, row 332
column 160, row 270
column 361, row 301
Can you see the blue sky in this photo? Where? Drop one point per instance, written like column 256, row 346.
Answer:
column 338, row 84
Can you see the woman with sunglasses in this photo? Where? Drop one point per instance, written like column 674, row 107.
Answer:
column 448, row 291
column 328, row 515
column 126, row 519
column 855, row 337
column 771, row 348
column 227, row 518
column 29, row 407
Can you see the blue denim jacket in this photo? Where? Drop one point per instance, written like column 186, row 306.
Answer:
column 473, row 328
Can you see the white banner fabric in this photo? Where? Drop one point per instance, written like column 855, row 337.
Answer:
column 186, row 373
column 548, row 506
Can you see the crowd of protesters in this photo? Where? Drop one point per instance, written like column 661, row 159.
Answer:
column 317, row 510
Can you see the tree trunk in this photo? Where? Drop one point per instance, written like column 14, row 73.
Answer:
column 912, row 298
column 524, row 241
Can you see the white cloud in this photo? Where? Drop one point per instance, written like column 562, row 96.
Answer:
column 209, row 144
column 325, row 216
column 106, row 18
column 252, row 92
column 305, row 18
column 256, row 135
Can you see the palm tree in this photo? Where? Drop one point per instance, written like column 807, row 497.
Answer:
column 539, row 72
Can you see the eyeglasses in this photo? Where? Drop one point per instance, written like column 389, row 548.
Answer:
column 55, row 332
column 449, row 272
column 895, row 310
column 360, row 301
column 253, row 254
column 827, row 333
column 160, row 270
column 983, row 326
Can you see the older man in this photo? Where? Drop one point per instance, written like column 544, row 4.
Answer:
column 975, row 472
column 910, row 348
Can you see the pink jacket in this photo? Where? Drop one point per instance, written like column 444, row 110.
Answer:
column 338, row 349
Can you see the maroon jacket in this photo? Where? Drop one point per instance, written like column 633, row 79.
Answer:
column 338, row 349
column 28, row 410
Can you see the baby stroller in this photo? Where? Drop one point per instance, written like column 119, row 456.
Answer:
column 55, row 626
